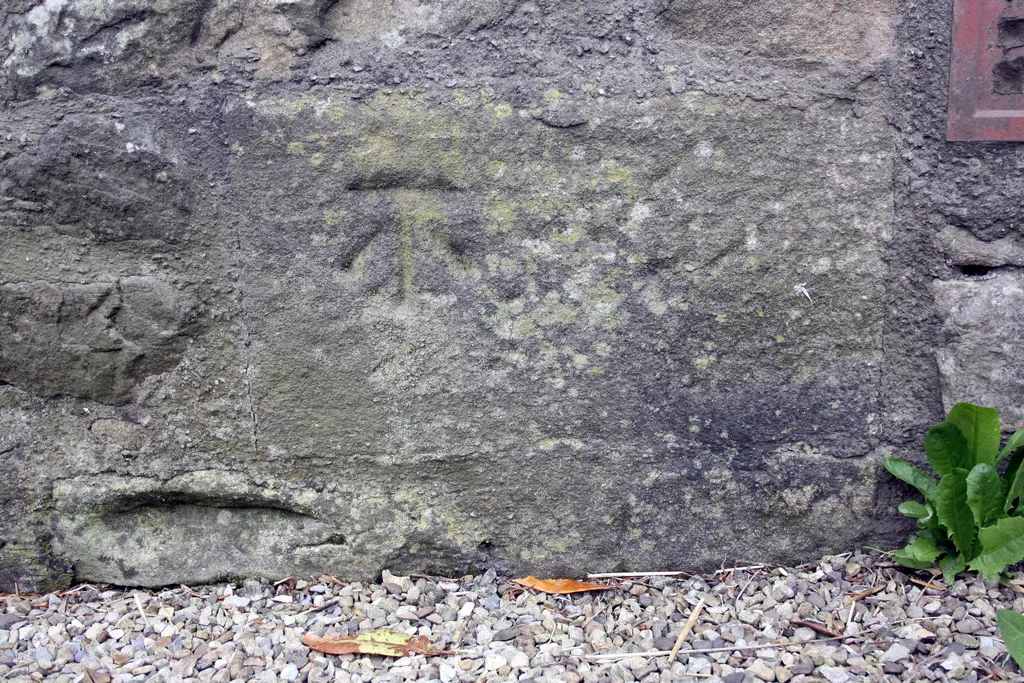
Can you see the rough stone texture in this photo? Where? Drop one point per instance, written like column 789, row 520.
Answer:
column 132, row 530
column 958, row 217
column 827, row 28
column 126, row 186
column 984, row 361
column 95, row 340
column 543, row 286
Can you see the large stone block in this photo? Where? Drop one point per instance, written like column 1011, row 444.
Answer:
column 133, row 530
column 454, row 306
column 321, row 324
column 983, row 362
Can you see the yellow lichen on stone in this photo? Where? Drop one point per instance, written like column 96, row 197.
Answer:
column 617, row 173
column 704, row 362
column 415, row 141
column 333, row 218
column 553, row 96
column 501, row 214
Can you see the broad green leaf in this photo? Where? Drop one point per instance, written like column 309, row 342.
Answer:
column 904, row 471
column 1011, row 628
column 1016, row 489
column 908, row 560
column 951, row 565
column 980, row 427
column 912, row 508
column 950, row 500
column 985, row 495
column 1010, row 473
column 1014, row 447
column 919, row 553
column 946, row 449
column 1002, row 544
column 936, row 534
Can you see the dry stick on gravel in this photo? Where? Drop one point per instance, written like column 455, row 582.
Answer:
column 635, row 575
column 661, row 653
column 687, row 627
column 740, row 569
column 611, row 656
column 138, row 603
column 853, row 604
column 327, row 603
column 814, row 626
column 736, row 602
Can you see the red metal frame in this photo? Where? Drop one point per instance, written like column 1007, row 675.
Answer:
column 976, row 111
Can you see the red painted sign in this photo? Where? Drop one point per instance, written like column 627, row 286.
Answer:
column 986, row 79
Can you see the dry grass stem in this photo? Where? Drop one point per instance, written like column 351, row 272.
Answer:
column 928, row 584
column 736, row 648
column 740, row 569
column 687, row 627
column 631, row 575
column 138, row 603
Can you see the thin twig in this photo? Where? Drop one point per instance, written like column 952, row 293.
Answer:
column 740, row 648
column 820, row 628
column 630, row 575
column 849, row 615
column 740, row 569
column 866, row 594
column 138, row 603
column 687, row 627
column 736, row 603
column 327, row 603
column 928, row 584
column 431, row 577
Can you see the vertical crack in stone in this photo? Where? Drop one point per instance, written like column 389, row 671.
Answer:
column 246, row 338
column 405, row 260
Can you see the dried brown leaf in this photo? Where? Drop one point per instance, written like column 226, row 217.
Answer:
column 561, row 586
column 383, row 642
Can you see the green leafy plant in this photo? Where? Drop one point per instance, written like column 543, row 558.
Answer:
column 1011, row 626
column 973, row 515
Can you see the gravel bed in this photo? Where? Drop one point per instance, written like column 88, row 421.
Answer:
column 764, row 623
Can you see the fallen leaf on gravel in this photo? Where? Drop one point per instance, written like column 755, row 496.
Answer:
column 383, row 642
column 561, row 586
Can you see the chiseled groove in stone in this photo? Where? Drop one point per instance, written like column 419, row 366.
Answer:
column 108, row 492
column 197, row 527
column 145, row 546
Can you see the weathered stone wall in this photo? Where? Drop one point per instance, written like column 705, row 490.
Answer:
column 291, row 287
column 961, row 206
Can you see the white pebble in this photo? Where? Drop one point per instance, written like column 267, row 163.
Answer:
column 494, row 662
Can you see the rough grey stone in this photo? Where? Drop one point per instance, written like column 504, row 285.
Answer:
column 832, row 28
column 104, row 178
column 134, row 531
column 964, row 249
column 983, row 362
column 95, row 340
column 536, row 286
